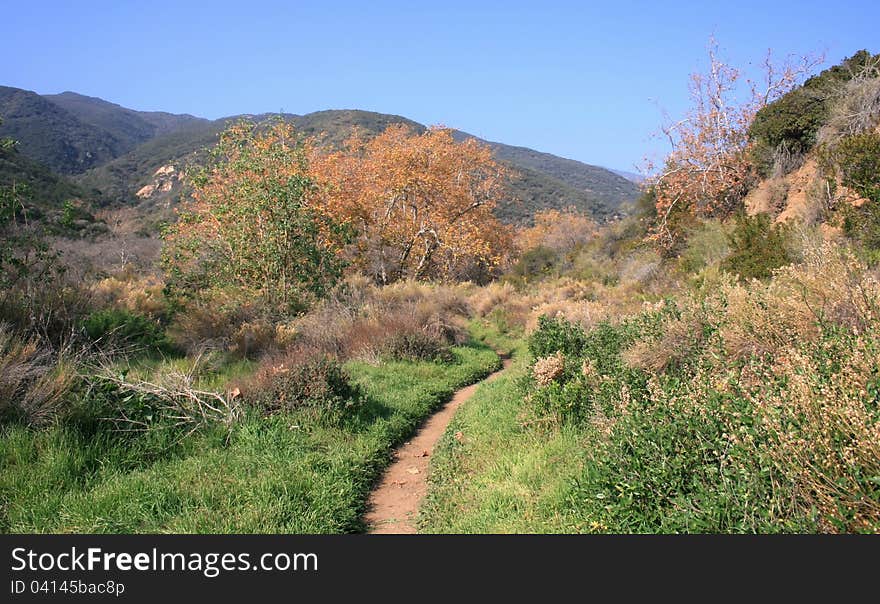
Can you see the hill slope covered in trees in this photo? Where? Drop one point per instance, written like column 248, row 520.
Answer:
column 115, row 152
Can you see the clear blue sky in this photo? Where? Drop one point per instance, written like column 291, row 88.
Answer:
column 578, row 79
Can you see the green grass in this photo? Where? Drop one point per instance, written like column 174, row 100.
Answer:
column 505, row 475
column 284, row 474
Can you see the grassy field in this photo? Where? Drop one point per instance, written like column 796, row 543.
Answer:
column 286, row 473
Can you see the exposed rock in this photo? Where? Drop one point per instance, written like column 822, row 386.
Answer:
column 163, row 181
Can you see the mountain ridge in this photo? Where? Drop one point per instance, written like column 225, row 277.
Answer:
column 131, row 146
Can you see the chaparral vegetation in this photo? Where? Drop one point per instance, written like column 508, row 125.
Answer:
column 239, row 345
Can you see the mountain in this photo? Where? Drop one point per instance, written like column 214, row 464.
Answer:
column 630, row 176
column 543, row 181
column 123, row 156
column 128, row 126
column 548, row 181
column 51, row 135
column 71, row 133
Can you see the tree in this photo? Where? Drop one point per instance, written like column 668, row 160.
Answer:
column 709, row 170
column 421, row 205
column 253, row 222
column 560, row 230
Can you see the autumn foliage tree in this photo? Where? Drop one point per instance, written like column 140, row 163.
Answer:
column 254, row 222
column 561, row 230
column 709, row 169
column 420, row 204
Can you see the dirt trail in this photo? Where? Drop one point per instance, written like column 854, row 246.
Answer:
column 394, row 502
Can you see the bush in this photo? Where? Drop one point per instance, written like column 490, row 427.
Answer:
column 759, row 413
column 116, row 326
column 585, row 371
column 34, row 381
column 536, row 263
column 557, row 335
column 858, row 158
column 757, row 246
column 793, row 121
column 302, row 381
column 416, row 346
column 706, row 245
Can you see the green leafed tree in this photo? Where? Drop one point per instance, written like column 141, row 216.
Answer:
column 251, row 223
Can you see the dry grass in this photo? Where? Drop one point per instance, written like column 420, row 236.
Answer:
column 359, row 320
column 138, row 294
column 803, row 348
column 34, row 380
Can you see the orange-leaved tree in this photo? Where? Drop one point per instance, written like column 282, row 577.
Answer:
column 254, row 222
column 561, row 230
column 420, row 204
column 709, row 169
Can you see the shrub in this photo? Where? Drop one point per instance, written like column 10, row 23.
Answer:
column 759, row 412
column 557, row 335
column 585, row 373
column 757, row 246
column 858, row 158
column 406, row 320
column 536, row 263
column 793, row 121
column 34, row 381
column 706, row 245
column 302, row 381
column 416, row 346
column 123, row 327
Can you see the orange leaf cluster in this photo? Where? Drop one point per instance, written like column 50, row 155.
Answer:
column 421, row 204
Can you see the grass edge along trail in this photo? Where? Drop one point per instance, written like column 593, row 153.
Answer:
column 495, row 470
column 284, row 473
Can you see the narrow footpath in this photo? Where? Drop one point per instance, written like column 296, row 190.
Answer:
column 394, row 502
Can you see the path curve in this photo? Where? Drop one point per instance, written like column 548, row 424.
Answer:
column 394, row 502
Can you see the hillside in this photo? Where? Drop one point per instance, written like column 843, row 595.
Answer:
column 543, row 180
column 599, row 185
column 128, row 126
column 44, row 188
column 51, row 135
column 129, row 157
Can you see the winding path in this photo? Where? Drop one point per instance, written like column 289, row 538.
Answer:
column 394, row 502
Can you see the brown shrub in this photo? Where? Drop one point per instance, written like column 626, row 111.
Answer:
column 301, row 379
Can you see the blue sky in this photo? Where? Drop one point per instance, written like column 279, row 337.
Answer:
column 578, row 79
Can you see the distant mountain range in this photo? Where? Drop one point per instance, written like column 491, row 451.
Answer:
column 114, row 155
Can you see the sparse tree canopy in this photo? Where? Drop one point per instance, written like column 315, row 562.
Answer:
column 709, row 169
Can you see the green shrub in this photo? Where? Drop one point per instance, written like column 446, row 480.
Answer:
column 571, row 401
column 793, row 121
column 858, row 158
column 535, row 263
column 757, row 246
column 125, row 327
column 855, row 160
column 594, row 375
column 706, row 245
column 556, row 334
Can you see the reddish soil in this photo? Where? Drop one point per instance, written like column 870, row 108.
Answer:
column 394, row 502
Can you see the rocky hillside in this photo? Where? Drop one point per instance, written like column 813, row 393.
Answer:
column 818, row 149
